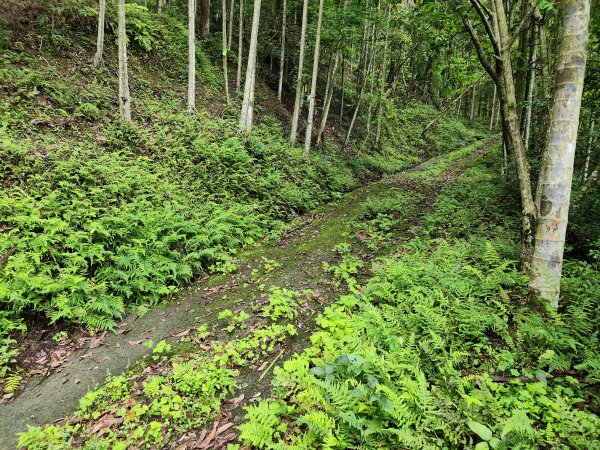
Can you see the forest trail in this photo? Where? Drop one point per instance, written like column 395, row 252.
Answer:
column 294, row 261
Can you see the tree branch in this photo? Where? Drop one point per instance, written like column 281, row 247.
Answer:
column 485, row 15
column 525, row 22
column 485, row 62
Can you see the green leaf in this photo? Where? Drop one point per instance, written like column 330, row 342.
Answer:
column 480, row 430
column 482, row 446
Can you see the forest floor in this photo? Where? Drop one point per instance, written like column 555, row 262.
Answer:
column 297, row 261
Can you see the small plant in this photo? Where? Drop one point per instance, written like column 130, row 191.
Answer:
column 235, row 321
column 60, row 337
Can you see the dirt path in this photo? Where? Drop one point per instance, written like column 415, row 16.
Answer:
column 300, row 254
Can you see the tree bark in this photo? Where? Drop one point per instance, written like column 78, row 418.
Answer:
column 230, row 29
column 554, row 186
column 238, row 78
column 313, row 85
column 282, row 54
column 124, row 97
column 493, row 113
column 224, row 44
column 298, row 101
column 98, row 58
column 191, row 100
column 204, row 18
column 588, row 155
column 247, row 113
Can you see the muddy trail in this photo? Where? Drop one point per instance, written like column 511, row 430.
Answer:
column 294, row 261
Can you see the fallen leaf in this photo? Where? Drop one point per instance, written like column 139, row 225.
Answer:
column 98, row 341
column 136, row 342
column 104, row 359
column 225, row 427
column 182, row 333
column 148, row 331
column 76, row 381
column 208, row 439
column 235, row 401
column 263, row 366
column 106, row 422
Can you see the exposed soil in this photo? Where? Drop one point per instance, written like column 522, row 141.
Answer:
column 300, row 254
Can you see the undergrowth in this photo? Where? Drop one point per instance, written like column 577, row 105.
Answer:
column 439, row 350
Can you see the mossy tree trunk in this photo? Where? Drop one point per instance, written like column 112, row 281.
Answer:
column 556, row 171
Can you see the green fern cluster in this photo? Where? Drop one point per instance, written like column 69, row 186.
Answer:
column 413, row 361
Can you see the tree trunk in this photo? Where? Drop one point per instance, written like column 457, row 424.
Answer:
column 588, row 156
column 282, row 55
column 230, row 29
column 191, row 104
column 383, row 76
column 247, row 113
column 473, row 97
column 313, row 86
column 98, row 58
column 529, row 106
column 238, row 78
column 298, row 101
column 556, row 173
column 124, row 97
column 224, row 44
column 493, row 109
column 204, row 18
column 329, row 93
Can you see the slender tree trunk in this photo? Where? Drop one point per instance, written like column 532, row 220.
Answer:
column 313, row 86
column 98, row 58
column 230, row 29
column 282, row 55
column 529, row 106
column 360, row 95
column 383, row 76
column 588, row 156
column 493, row 109
column 224, row 43
column 124, row 97
column 191, row 104
column 554, row 186
column 473, row 96
column 238, row 78
column 329, row 93
column 204, row 18
column 343, row 89
column 247, row 113
column 298, row 101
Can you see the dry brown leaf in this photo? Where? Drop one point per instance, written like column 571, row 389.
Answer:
column 98, row 341
column 148, row 331
column 182, row 333
column 263, row 366
column 208, row 439
column 136, row 342
column 224, row 428
column 106, row 422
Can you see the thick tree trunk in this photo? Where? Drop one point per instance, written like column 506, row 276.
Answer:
column 98, row 58
column 282, row 54
column 204, row 18
column 298, row 101
column 238, row 78
column 224, row 45
column 554, row 186
column 313, row 85
column 191, row 100
column 124, row 97
column 247, row 113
